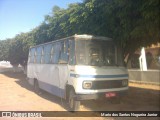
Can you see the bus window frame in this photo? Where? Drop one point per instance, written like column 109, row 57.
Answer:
column 72, row 48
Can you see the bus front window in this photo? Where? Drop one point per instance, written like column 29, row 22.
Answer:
column 95, row 53
column 80, row 53
column 94, row 56
column 109, row 55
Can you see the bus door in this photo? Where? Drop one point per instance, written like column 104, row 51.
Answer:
column 63, row 67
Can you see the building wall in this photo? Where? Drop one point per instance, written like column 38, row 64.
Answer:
column 150, row 76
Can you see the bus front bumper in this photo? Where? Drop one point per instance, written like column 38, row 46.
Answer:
column 102, row 95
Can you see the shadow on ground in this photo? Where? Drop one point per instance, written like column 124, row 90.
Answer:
column 23, row 82
column 138, row 99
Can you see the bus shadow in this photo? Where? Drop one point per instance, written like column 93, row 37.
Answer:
column 23, row 82
column 137, row 99
column 54, row 99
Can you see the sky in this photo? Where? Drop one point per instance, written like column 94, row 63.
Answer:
column 17, row 16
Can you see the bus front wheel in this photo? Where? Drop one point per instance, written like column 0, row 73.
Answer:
column 73, row 104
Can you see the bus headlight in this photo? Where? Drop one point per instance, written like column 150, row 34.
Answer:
column 87, row 84
column 124, row 82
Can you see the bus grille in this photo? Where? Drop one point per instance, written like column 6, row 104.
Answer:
column 108, row 84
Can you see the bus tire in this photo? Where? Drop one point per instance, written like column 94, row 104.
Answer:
column 73, row 104
column 36, row 86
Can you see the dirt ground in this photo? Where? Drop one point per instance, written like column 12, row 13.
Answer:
column 16, row 94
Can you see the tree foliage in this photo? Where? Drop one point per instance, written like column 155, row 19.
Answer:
column 131, row 23
column 4, row 49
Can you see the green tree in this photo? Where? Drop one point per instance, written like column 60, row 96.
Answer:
column 131, row 23
column 4, row 49
column 19, row 48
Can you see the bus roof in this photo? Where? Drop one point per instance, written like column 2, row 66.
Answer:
column 78, row 37
column 90, row 37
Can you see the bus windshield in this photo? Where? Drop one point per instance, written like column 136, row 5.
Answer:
column 95, row 53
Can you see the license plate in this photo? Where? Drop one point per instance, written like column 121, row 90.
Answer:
column 111, row 94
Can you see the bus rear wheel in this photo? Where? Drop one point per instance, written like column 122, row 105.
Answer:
column 36, row 86
column 73, row 104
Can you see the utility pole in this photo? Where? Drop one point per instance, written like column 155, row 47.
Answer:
column 142, row 60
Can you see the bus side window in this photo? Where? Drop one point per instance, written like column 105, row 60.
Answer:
column 55, row 53
column 38, row 54
column 32, row 57
column 64, row 52
column 47, row 53
column 72, row 60
column 52, row 54
column 42, row 56
column 29, row 56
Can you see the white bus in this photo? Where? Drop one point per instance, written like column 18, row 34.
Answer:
column 80, row 67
